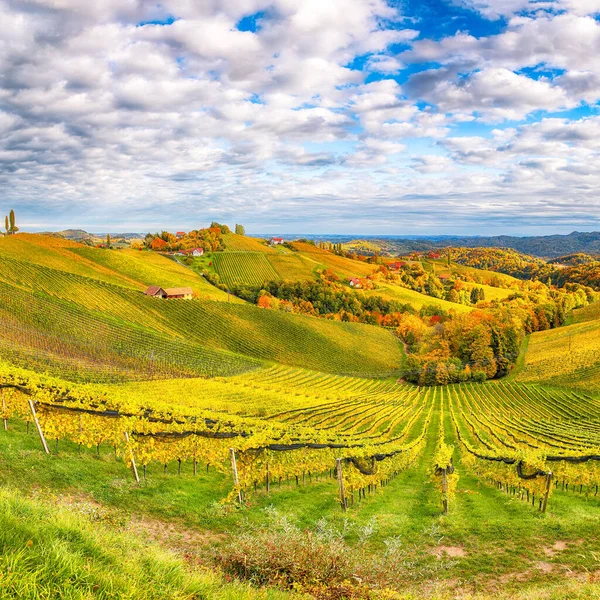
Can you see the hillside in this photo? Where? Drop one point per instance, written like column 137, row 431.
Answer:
column 128, row 268
column 568, row 356
column 74, row 551
column 415, row 299
column 251, row 261
column 115, row 331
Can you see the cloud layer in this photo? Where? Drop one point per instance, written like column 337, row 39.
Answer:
column 345, row 115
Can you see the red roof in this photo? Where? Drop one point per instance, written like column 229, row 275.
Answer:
column 177, row 292
column 181, row 233
column 276, row 239
column 155, row 290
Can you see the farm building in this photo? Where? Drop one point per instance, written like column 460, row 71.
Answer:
column 180, row 234
column 396, row 266
column 156, row 292
column 193, row 252
column 184, row 293
column 355, row 282
column 276, row 241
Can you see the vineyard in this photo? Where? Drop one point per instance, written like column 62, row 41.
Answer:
column 223, row 413
column 565, row 356
column 68, row 323
column 530, row 441
column 243, row 268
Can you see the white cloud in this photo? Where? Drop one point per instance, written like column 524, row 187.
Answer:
column 105, row 115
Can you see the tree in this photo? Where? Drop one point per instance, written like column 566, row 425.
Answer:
column 108, row 240
column 12, row 227
column 239, row 229
column 441, row 374
column 6, row 224
column 452, row 296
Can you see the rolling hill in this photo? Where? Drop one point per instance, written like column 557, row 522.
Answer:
column 567, row 356
column 108, row 330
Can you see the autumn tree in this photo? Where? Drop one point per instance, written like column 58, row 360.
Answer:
column 239, row 229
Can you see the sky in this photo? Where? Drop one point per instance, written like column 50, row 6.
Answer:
column 324, row 116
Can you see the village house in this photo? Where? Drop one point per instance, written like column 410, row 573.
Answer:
column 180, row 234
column 184, row 293
column 193, row 252
column 355, row 283
column 276, row 241
column 155, row 292
column 396, row 266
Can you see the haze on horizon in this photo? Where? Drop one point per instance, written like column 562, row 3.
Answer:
column 465, row 117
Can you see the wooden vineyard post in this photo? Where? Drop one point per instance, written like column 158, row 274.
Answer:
column 445, row 490
column 4, row 411
column 547, row 491
column 236, row 479
column 268, row 478
column 132, row 457
column 38, row 427
column 340, row 478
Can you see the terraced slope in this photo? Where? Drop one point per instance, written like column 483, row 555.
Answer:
column 565, row 356
column 244, row 243
column 244, row 268
column 128, row 268
column 67, row 317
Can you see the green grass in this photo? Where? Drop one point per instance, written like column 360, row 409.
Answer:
column 128, row 268
column 244, row 243
column 564, row 356
column 70, row 553
column 501, row 540
column 151, row 268
column 588, row 313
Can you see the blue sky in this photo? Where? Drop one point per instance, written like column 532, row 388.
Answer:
column 347, row 116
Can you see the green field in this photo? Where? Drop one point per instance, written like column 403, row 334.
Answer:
column 415, row 299
column 565, row 356
column 243, row 268
column 477, row 545
column 305, row 403
column 93, row 321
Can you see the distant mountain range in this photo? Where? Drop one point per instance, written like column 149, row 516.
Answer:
column 546, row 246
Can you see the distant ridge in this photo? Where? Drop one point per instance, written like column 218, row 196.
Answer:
column 547, row 246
